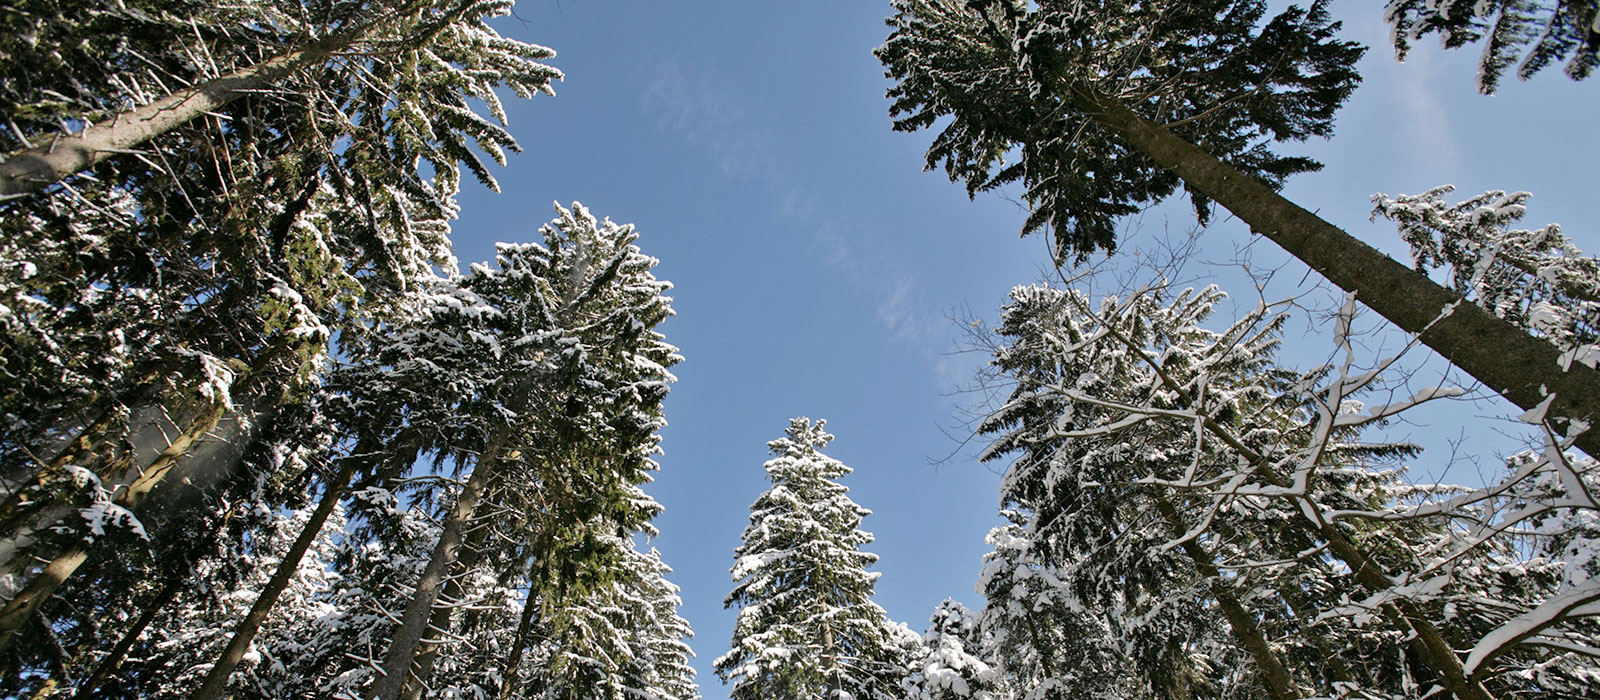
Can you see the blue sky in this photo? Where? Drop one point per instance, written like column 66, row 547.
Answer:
column 819, row 270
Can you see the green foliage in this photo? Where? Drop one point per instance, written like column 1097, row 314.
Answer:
column 1010, row 77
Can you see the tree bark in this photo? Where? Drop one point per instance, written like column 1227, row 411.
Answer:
column 27, row 601
column 55, row 157
column 216, row 680
column 87, row 691
column 407, row 635
column 441, row 621
column 1522, row 368
column 508, row 686
column 82, row 445
column 1276, row 679
column 21, row 527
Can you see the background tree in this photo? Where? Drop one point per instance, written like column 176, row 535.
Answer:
column 807, row 626
column 953, row 662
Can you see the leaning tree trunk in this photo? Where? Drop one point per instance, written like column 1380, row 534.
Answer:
column 23, row 526
column 508, row 682
column 216, row 679
column 440, row 622
column 407, row 635
column 88, row 689
column 27, row 601
column 52, row 158
column 78, row 451
column 1528, row 371
column 1275, row 677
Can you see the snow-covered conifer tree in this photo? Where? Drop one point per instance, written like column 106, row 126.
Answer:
column 807, row 625
column 1170, row 477
column 558, row 427
column 952, row 665
column 1538, row 280
column 215, row 267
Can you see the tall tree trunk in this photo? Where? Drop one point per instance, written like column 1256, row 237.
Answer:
column 1522, row 368
column 216, row 680
column 21, row 528
column 366, row 453
column 82, row 445
column 508, row 685
column 87, row 690
column 407, row 635
column 53, row 158
column 440, row 622
column 1278, row 683
column 27, row 601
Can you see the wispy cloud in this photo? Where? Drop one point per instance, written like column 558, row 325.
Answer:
column 1413, row 88
column 689, row 103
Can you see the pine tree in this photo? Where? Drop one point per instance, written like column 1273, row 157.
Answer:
column 1048, row 644
column 557, row 430
column 1566, row 30
column 1113, row 105
column 807, row 626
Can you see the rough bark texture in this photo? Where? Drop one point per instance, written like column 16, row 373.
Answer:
column 442, row 620
column 1520, row 367
column 508, row 686
column 149, row 440
column 53, row 158
column 414, row 623
column 1275, row 678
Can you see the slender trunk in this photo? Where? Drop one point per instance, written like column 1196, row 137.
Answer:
column 830, row 660
column 1427, row 642
column 80, row 446
column 20, row 608
column 1045, row 663
column 407, row 635
column 1522, row 368
column 440, row 622
column 53, row 158
column 87, row 691
column 508, row 685
column 1275, row 677
column 216, row 679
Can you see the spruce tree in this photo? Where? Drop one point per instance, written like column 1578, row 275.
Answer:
column 807, row 625
column 1101, row 108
